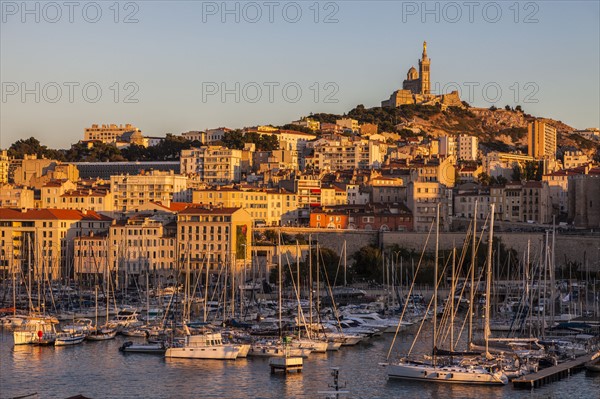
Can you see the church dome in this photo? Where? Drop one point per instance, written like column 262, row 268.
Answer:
column 412, row 74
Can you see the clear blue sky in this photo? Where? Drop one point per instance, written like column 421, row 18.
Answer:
column 179, row 53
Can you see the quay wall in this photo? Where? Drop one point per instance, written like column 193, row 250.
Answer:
column 582, row 249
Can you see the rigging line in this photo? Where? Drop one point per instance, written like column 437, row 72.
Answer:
column 412, row 285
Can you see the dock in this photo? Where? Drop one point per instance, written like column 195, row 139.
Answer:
column 285, row 364
column 552, row 374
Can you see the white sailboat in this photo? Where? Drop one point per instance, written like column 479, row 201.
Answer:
column 69, row 338
column 433, row 371
column 105, row 332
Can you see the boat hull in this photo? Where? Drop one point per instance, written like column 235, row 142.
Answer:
column 69, row 340
column 451, row 374
column 225, row 352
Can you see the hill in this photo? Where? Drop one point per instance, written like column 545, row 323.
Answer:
column 497, row 129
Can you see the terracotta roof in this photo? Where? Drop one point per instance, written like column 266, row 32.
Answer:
column 84, row 193
column 207, row 211
column 50, row 214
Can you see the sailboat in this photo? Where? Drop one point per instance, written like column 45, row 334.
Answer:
column 105, row 332
column 206, row 345
column 286, row 362
column 435, row 371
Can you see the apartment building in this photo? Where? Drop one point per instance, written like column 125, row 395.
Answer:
column 20, row 197
column 467, row 147
column 348, row 124
column 87, row 199
column 39, row 242
column 212, row 164
column 4, row 166
column 129, row 249
column 195, row 135
column 423, row 199
column 574, row 159
column 214, row 236
column 541, row 140
column 131, row 192
column 267, row 207
column 51, row 192
column 110, row 133
column 342, row 153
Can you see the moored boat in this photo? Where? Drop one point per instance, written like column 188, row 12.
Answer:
column 38, row 330
column 66, row 338
column 150, row 348
column 204, row 346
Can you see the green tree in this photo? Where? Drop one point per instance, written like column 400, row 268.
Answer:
column 368, row 263
column 100, row 152
column 516, row 173
column 32, row 146
column 533, row 170
column 233, row 140
column 484, row 179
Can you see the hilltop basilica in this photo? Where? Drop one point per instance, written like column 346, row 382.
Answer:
column 416, row 88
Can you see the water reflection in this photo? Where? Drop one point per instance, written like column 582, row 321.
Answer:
column 99, row 370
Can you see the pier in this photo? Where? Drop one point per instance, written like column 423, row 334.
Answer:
column 552, row 374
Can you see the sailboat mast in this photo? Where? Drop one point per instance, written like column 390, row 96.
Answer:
column 345, row 265
column 280, row 285
column 206, row 286
column 472, row 291
column 298, row 282
column 435, row 279
column 310, row 282
column 488, row 287
column 452, row 299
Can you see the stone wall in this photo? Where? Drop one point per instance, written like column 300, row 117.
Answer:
column 575, row 248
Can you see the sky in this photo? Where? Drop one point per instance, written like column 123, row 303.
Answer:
column 170, row 67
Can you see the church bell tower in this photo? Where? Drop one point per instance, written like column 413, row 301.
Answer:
column 424, row 64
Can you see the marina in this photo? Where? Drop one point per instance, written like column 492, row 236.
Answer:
column 85, row 369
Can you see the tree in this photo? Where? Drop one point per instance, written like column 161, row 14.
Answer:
column 516, row 173
column 32, row 146
column 518, row 108
column 368, row 263
column 533, row 170
column 484, row 179
column 100, row 152
column 233, row 140
column 493, row 108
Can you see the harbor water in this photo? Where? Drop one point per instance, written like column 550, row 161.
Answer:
column 99, row 370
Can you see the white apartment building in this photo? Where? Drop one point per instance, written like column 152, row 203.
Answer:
column 343, row 153
column 467, row 147
column 212, row 164
column 448, row 146
column 131, row 192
